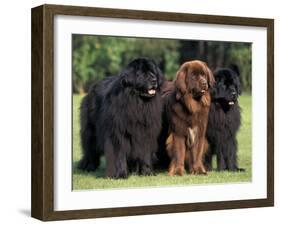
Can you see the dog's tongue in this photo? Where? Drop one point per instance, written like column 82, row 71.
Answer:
column 152, row 91
column 230, row 102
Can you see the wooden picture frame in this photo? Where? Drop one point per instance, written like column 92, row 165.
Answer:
column 42, row 205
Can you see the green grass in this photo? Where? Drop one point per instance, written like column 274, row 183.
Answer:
column 96, row 180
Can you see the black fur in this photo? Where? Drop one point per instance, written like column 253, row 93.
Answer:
column 224, row 120
column 120, row 117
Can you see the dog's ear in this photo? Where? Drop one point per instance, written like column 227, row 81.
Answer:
column 181, row 83
column 167, row 88
column 127, row 79
column 239, row 89
column 210, row 76
column 157, row 71
column 160, row 75
column 235, row 68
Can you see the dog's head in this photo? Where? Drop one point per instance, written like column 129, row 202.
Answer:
column 193, row 77
column 144, row 76
column 227, row 88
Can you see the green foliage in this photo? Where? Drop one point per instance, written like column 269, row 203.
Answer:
column 171, row 66
column 95, row 57
column 96, row 180
column 241, row 54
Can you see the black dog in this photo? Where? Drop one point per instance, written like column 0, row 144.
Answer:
column 224, row 120
column 121, row 115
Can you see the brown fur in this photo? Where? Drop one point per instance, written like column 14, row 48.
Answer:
column 188, row 109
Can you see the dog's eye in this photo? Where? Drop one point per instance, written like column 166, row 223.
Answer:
column 193, row 76
column 222, row 85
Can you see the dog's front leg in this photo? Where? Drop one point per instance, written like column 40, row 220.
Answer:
column 178, row 156
column 197, row 152
column 116, row 160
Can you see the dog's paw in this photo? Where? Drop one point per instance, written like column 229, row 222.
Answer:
column 147, row 171
column 86, row 165
column 118, row 175
column 180, row 171
column 198, row 169
column 241, row 169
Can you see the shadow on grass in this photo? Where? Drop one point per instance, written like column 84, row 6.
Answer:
column 100, row 172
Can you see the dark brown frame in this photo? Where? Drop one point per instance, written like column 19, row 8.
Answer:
column 42, row 203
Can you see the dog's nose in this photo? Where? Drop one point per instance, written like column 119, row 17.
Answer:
column 233, row 94
column 203, row 82
column 153, row 81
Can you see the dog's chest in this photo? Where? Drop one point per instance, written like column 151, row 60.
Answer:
column 223, row 118
column 188, row 123
column 192, row 135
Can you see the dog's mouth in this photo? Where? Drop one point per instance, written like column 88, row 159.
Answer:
column 199, row 93
column 151, row 91
column 228, row 103
column 203, row 91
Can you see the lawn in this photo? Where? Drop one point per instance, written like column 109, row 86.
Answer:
column 96, row 180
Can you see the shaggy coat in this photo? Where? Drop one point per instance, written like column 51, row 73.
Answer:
column 224, row 120
column 121, row 116
column 187, row 112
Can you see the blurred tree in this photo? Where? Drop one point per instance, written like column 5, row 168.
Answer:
column 220, row 54
column 95, row 57
column 241, row 54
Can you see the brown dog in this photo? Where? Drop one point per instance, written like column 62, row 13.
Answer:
column 187, row 110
